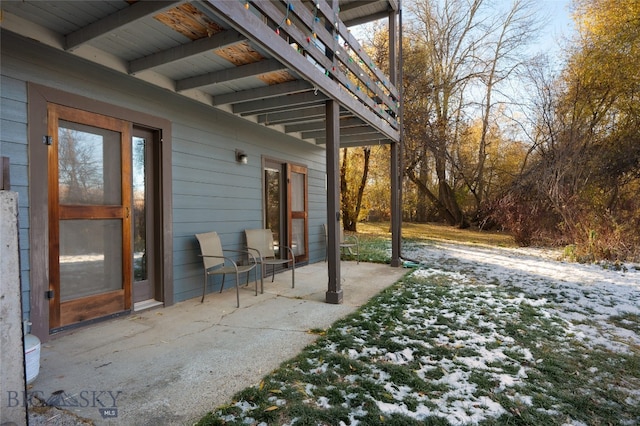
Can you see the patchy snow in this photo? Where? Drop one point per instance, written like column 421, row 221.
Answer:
column 585, row 295
column 457, row 340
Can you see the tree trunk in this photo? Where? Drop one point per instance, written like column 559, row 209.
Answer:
column 423, row 202
column 345, row 200
column 363, row 183
column 424, row 190
column 351, row 206
column 446, row 195
column 448, row 199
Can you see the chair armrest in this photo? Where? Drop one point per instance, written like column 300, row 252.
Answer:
column 293, row 258
column 233, row 262
column 351, row 237
column 247, row 252
column 211, row 255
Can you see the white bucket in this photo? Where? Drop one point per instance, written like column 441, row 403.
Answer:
column 31, row 357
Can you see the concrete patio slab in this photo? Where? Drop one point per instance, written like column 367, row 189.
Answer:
column 170, row 366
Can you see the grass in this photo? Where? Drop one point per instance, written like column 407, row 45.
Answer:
column 436, row 232
column 445, row 348
column 374, row 238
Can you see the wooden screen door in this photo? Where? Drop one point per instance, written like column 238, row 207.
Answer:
column 285, row 195
column 89, row 193
column 297, row 211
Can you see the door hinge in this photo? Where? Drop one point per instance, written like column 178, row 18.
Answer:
column 47, row 140
column 49, row 294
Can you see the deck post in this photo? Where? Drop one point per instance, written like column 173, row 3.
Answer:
column 334, row 291
column 395, row 169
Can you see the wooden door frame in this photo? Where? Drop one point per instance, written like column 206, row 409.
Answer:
column 297, row 168
column 286, row 168
column 106, row 303
column 38, row 280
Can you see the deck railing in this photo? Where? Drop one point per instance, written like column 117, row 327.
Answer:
column 315, row 31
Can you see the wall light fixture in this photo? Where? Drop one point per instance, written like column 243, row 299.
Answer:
column 241, row 157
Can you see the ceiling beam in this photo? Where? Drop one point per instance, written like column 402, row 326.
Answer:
column 363, row 143
column 367, row 139
column 354, row 5
column 391, row 5
column 306, row 127
column 320, row 125
column 265, row 92
column 183, row 51
column 366, row 19
column 230, row 74
column 350, row 131
column 284, row 107
column 117, row 20
column 299, row 100
column 297, row 116
column 292, row 116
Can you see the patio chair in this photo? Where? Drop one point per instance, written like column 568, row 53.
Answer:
column 216, row 263
column 350, row 243
column 260, row 243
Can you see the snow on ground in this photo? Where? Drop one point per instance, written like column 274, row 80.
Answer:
column 456, row 341
column 586, row 295
column 585, row 298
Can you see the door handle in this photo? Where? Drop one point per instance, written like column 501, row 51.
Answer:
column 126, row 212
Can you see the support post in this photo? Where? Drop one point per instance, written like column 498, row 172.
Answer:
column 396, row 208
column 396, row 178
column 334, row 291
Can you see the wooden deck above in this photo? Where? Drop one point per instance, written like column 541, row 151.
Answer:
column 274, row 63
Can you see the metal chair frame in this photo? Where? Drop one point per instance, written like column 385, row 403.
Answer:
column 260, row 243
column 215, row 262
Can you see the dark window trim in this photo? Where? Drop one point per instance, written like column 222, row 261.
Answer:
column 38, row 97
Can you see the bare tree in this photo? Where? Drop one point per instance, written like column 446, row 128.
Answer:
column 80, row 174
column 467, row 49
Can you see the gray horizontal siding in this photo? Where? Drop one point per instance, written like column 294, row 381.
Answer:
column 13, row 110
column 13, row 89
column 13, row 133
column 13, row 144
column 210, row 190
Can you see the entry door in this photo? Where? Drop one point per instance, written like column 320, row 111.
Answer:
column 90, row 259
column 274, row 203
column 144, row 211
column 285, row 198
